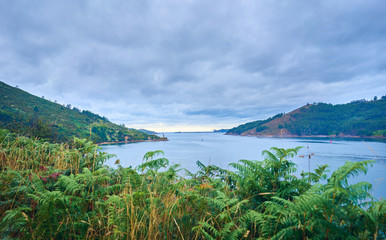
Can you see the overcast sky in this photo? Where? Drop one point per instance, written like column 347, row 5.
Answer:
column 181, row 65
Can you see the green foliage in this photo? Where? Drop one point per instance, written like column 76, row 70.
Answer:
column 153, row 164
column 358, row 118
column 35, row 117
column 257, row 125
column 59, row 191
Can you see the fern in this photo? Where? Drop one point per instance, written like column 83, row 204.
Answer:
column 57, row 191
column 16, row 223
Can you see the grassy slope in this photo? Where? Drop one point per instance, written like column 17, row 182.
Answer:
column 27, row 114
column 360, row 118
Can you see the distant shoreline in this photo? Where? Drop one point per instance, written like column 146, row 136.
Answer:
column 133, row 141
column 310, row 136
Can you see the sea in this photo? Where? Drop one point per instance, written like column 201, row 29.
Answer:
column 221, row 150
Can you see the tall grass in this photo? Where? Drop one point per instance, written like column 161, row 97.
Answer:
column 63, row 191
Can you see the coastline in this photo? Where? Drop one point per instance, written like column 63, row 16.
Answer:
column 308, row 136
column 133, row 141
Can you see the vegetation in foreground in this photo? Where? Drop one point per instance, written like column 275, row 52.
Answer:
column 57, row 191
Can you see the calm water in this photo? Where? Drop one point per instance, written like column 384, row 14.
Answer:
column 218, row 149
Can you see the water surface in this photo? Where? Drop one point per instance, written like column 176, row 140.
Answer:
column 219, row 149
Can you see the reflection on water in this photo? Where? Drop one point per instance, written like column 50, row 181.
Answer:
column 218, row 149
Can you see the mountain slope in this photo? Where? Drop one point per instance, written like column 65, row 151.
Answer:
column 358, row 118
column 32, row 116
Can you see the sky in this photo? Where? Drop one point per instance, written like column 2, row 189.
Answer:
column 194, row 65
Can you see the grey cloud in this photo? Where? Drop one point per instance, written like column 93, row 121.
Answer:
column 194, row 62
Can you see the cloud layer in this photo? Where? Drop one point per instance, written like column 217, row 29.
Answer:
column 194, row 65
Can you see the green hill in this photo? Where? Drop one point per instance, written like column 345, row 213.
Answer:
column 32, row 116
column 359, row 118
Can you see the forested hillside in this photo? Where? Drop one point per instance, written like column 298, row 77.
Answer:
column 32, row 116
column 358, row 118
